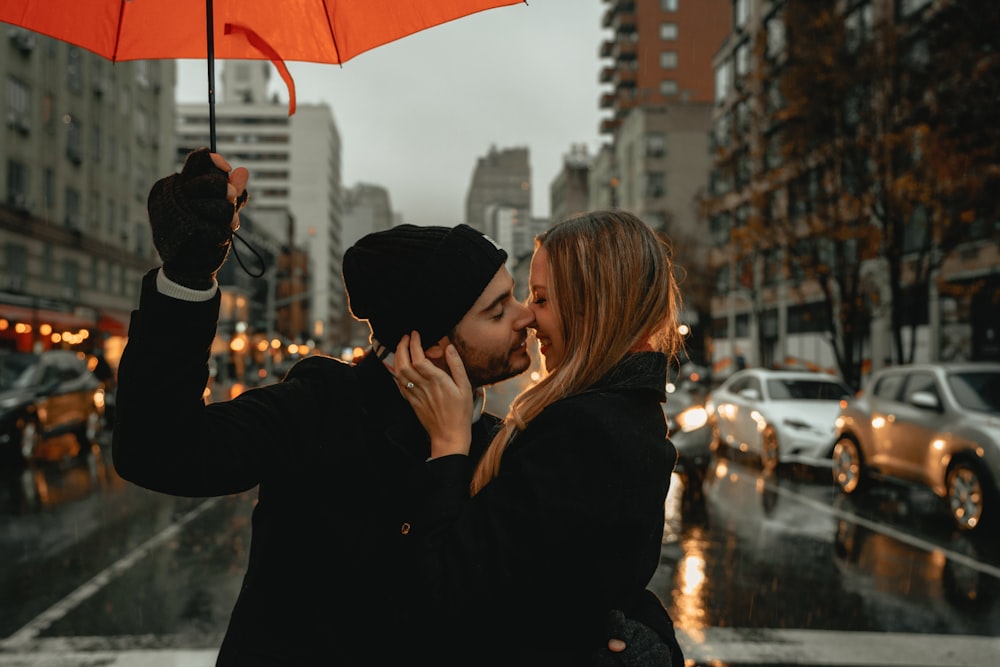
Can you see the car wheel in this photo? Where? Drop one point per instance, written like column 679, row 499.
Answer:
column 848, row 466
column 769, row 451
column 29, row 439
column 966, row 495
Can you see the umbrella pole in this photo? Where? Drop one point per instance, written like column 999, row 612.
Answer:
column 211, row 73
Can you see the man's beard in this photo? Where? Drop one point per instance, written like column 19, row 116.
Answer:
column 484, row 369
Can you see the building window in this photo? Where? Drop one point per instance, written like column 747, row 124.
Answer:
column 72, row 219
column 94, row 210
column 141, row 73
column 656, row 144
column 49, row 189
column 16, row 271
column 74, row 70
column 668, row 5
column 71, row 280
column 741, row 13
column 858, row 25
column 668, row 87
column 74, row 140
column 141, row 125
column 668, row 32
column 18, row 97
column 17, row 185
column 656, row 184
column 47, row 262
column 723, row 80
column 668, row 60
column 775, row 29
column 95, row 143
column 742, row 60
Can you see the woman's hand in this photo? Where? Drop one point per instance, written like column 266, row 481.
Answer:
column 442, row 402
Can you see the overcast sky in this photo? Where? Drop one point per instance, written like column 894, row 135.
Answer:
column 416, row 114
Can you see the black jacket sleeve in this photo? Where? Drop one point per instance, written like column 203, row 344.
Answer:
column 167, row 439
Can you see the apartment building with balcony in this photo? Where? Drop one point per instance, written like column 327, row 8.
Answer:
column 81, row 143
column 838, row 243
column 659, row 104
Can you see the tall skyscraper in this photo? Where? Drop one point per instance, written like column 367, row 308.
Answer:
column 501, row 178
column 295, row 166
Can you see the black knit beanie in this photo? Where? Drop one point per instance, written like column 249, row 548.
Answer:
column 416, row 277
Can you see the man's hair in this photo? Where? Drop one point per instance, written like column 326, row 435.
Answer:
column 612, row 289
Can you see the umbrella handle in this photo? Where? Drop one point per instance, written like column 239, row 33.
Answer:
column 209, row 22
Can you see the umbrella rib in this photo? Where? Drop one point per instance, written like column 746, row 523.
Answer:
column 118, row 32
column 333, row 36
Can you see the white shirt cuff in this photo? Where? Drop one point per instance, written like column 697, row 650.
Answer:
column 167, row 287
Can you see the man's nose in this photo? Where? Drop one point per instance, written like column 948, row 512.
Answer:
column 526, row 317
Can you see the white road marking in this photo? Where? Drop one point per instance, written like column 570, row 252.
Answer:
column 745, row 646
column 888, row 530
column 38, row 624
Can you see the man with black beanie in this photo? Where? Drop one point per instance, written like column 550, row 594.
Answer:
column 333, row 448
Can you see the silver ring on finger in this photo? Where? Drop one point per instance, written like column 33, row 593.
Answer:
column 410, row 385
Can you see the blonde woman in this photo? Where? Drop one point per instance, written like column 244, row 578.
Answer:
column 562, row 518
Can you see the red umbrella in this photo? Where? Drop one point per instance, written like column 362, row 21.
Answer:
column 319, row 31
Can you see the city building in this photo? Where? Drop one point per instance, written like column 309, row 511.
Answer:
column 501, row 178
column 660, row 53
column 657, row 160
column 295, row 167
column 844, row 237
column 82, row 142
column 367, row 209
column 569, row 190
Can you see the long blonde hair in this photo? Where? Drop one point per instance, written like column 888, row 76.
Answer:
column 613, row 291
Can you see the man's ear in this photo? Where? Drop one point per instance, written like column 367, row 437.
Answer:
column 436, row 351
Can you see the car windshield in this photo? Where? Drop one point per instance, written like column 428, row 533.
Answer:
column 977, row 390
column 16, row 370
column 815, row 390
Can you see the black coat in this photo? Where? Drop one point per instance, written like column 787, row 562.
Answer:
column 334, row 450
column 571, row 526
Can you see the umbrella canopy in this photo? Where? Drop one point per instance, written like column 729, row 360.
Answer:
column 318, row 31
column 299, row 30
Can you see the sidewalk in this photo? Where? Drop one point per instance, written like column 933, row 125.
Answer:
column 718, row 647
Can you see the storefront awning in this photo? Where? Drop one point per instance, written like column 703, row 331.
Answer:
column 112, row 326
column 58, row 320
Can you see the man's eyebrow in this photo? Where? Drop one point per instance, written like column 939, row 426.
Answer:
column 500, row 298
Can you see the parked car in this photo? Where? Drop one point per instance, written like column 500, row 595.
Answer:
column 690, row 433
column 935, row 425
column 51, row 406
column 782, row 416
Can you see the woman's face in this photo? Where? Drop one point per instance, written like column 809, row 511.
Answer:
column 551, row 343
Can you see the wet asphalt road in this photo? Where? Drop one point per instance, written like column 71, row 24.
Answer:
column 763, row 571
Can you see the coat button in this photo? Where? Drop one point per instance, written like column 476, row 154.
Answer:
column 405, row 528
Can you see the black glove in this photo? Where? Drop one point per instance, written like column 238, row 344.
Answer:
column 643, row 646
column 190, row 217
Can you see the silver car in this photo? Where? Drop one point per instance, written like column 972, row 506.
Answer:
column 935, row 425
column 783, row 416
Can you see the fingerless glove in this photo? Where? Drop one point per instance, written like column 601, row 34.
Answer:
column 190, row 218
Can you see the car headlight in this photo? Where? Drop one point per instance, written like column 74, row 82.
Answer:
column 691, row 419
column 8, row 403
column 796, row 424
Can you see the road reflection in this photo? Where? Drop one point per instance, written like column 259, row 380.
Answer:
column 789, row 551
column 27, row 489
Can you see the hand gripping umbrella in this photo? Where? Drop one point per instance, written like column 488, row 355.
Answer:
column 317, row 31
